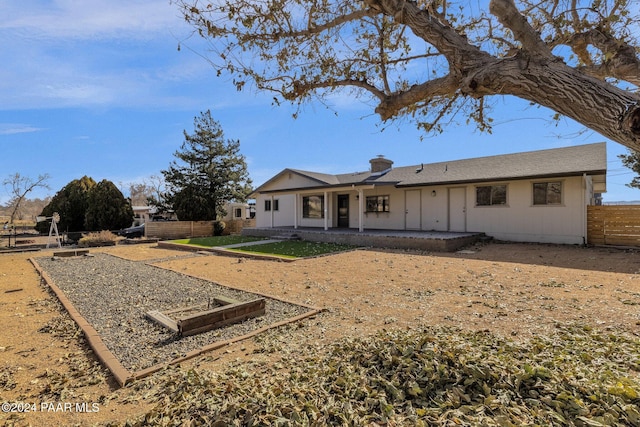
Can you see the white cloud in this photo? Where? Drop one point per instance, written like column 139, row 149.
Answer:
column 77, row 92
column 104, row 54
column 72, row 53
column 16, row 128
column 89, row 19
column 115, row 71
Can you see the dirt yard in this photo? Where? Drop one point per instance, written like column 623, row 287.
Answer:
column 514, row 290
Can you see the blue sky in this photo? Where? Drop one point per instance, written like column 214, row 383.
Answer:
column 99, row 88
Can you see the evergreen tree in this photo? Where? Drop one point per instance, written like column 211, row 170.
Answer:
column 208, row 172
column 632, row 161
column 71, row 204
column 107, row 208
column 84, row 205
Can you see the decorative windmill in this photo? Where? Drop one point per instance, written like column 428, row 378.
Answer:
column 55, row 218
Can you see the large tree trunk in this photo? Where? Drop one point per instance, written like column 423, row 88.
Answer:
column 600, row 106
column 533, row 73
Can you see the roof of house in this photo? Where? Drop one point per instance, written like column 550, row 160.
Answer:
column 590, row 159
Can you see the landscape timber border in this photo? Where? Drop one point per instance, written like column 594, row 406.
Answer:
column 111, row 362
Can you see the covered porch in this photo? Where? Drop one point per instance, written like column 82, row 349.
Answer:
column 322, row 208
column 439, row 241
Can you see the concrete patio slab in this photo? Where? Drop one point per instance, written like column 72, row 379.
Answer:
column 442, row 241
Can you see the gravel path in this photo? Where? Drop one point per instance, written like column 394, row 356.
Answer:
column 114, row 294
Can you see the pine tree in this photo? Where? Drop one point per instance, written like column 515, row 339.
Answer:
column 632, row 161
column 208, row 172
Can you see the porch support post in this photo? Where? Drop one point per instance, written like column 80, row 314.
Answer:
column 295, row 210
column 326, row 211
column 360, row 210
column 272, row 206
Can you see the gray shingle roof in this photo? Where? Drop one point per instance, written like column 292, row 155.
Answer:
column 590, row 159
column 577, row 160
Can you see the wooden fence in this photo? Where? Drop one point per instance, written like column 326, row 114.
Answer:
column 170, row 230
column 235, row 226
column 613, row 225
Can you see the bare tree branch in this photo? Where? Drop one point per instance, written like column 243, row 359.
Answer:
column 20, row 187
column 510, row 17
column 621, row 60
column 427, row 59
column 392, row 105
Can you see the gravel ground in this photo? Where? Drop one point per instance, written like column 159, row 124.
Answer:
column 114, row 294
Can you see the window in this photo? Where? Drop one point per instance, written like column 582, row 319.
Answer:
column 313, row 207
column 377, row 204
column 547, row 193
column 491, row 195
column 268, row 205
column 238, row 213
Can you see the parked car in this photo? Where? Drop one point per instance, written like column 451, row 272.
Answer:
column 137, row 231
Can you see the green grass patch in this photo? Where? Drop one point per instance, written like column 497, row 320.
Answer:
column 295, row 248
column 218, row 240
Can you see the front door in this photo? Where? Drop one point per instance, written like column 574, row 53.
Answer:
column 343, row 210
column 412, row 210
column 457, row 209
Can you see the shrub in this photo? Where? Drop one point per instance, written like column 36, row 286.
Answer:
column 218, row 228
column 101, row 238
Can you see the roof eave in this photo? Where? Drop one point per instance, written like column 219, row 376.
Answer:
column 345, row 186
column 282, row 172
column 502, row 179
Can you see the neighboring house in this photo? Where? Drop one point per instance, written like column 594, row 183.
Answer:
column 538, row 196
column 141, row 214
column 235, row 210
column 239, row 210
column 144, row 214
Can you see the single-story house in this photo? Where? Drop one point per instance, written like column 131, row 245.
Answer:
column 239, row 211
column 538, row 196
column 235, row 211
column 144, row 214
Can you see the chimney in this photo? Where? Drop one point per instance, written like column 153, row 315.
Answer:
column 380, row 164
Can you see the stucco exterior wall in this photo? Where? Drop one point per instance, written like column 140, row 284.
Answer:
column 392, row 220
column 518, row 220
column 522, row 221
column 283, row 217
